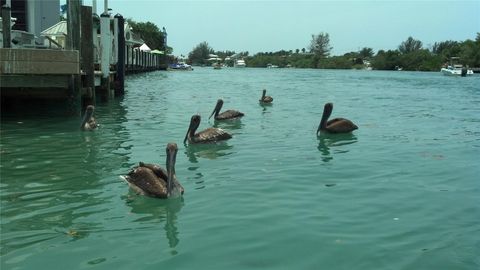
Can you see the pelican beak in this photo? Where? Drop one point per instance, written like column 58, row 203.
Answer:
column 189, row 129
column 171, row 158
column 218, row 106
column 186, row 135
column 214, row 110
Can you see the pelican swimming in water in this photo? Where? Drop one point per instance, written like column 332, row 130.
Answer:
column 205, row 136
column 336, row 125
column 88, row 122
column 152, row 180
column 264, row 98
column 226, row 115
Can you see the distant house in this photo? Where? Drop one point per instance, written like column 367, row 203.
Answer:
column 30, row 18
column 56, row 34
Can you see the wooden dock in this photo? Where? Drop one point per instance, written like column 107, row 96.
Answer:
column 91, row 68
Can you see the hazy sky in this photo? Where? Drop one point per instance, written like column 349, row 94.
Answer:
column 259, row 26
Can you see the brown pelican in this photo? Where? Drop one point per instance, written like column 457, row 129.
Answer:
column 265, row 99
column 88, row 122
column 205, row 136
column 153, row 181
column 226, row 115
column 337, row 125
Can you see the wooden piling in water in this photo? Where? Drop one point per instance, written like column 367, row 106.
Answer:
column 106, row 46
column 87, row 55
column 120, row 72
column 73, row 43
column 6, row 25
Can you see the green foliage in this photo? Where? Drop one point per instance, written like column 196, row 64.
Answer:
column 336, row 62
column 470, row 53
column 386, row 60
column 199, row 54
column 150, row 33
column 409, row 56
column 320, row 45
column 366, row 53
column 410, row 45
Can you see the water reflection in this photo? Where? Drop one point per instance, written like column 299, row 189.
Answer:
column 208, row 151
column 265, row 107
column 228, row 124
column 155, row 211
column 329, row 142
column 53, row 181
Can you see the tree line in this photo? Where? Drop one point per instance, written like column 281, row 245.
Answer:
column 409, row 55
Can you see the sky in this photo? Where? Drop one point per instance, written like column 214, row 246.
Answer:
column 268, row 26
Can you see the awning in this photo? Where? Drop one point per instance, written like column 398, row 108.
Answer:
column 145, row 48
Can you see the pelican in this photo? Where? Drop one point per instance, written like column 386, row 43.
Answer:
column 226, row 115
column 265, row 99
column 336, row 125
column 88, row 122
column 152, row 180
column 204, row 136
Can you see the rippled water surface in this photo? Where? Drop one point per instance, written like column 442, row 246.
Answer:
column 401, row 192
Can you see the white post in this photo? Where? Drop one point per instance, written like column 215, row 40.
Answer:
column 105, row 44
column 94, row 6
column 105, row 6
column 115, row 40
column 9, row 3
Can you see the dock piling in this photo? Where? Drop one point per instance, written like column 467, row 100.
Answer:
column 105, row 47
column 87, row 64
column 120, row 37
column 6, row 25
column 73, row 43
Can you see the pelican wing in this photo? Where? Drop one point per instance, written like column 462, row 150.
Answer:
column 145, row 179
column 340, row 125
column 229, row 114
column 212, row 135
column 267, row 99
column 157, row 170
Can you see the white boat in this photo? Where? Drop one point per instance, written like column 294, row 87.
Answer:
column 240, row 63
column 456, row 69
column 179, row 66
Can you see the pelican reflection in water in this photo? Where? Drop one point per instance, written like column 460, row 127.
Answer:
column 226, row 115
column 152, row 212
column 265, row 99
column 208, row 135
column 229, row 125
column 88, row 121
column 211, row 151
column 328, row 142
column 153, row 181
column 336, row 125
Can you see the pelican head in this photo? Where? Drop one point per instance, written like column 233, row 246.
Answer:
column 327, row 111
column 194, row 124
column 171, row 150
column 264, row 93
column 217, row 109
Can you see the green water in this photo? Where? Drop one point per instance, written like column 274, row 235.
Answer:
column 401, row 192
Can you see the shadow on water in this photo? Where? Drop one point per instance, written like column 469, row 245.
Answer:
column 156, row 211
column 208, row 151
column 333, row 143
